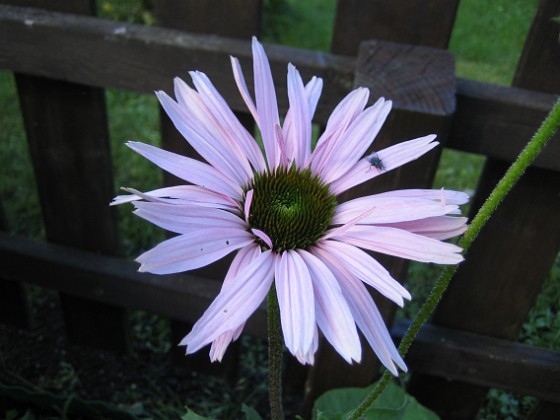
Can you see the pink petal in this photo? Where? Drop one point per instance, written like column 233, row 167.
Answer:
column 391, row 158
column 267, row 107
column 193, row 250
column 242, row 87
column 295, row 296
column 442, row 195
column 340, row 119
column 197, row 130
column 372, row 325
column 297, row 125
column 232, row 131
column 333, row 315
column 443, row 227
column 179, row 194
column 355, row 141
column 190, row 170
column 367, row 316
column 313, row 91
column 362, row 266
column 235, row 303
column 220, row 344
column 241, row 260
column 387, row 209
column 185, row 219
column 401, row 243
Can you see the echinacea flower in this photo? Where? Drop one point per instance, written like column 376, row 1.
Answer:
column 277, row 209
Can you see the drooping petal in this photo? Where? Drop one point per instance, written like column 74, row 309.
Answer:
column 294, row 290
column 191, row 170
column 185, row 219
column 391, row 158
column 241, row 260
column 363, row 266
column 220, row 344
column 367, row 316
column 333, row 315
column 193, row 250
column 235, row 303
column 401, row 243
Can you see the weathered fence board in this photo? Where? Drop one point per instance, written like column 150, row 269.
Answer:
column 144, row 59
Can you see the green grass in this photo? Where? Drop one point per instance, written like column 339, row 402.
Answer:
column 486, row 41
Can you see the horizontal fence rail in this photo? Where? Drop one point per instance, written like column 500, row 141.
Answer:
column 112, row 54
column 436, row 350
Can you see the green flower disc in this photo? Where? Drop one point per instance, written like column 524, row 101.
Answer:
column 293, row 207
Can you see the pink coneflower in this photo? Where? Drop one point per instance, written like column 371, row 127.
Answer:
column 278, row 210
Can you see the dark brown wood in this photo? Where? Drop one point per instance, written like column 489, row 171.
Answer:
column 495, row 287
column 497, row 121
column 416, row 22
column 483, row 360
column 66, row 128
column 540, row 60
column 235, row 18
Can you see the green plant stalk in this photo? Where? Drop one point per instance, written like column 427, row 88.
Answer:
column 275, row 349
column 548, row 128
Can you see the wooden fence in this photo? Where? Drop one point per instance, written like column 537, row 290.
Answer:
column 63, row 58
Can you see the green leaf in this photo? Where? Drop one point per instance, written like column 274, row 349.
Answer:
column 393, row 403
column 250, row 413
column 191, row 415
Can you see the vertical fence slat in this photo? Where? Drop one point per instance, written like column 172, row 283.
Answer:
column 66, row 127
column 239, row 19
column 417, row 22
column 357, row 21
column 503, row 273
column 14, row 305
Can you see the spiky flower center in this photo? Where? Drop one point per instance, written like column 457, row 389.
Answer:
column 293, row 207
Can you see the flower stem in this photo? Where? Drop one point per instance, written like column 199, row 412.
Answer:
column 275, row 350
column 548, row 128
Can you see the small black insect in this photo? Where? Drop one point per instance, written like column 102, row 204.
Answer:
column 376, row 161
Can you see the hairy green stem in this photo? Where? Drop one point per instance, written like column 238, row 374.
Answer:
column 545, row 132
column 275, row 349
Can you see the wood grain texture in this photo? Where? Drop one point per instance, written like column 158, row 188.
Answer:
column 416, row 78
